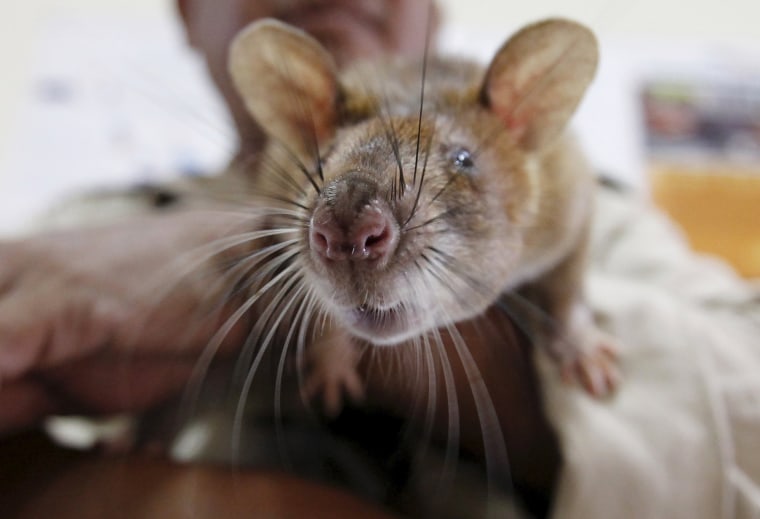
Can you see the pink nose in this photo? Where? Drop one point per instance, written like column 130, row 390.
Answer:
column 371, row 235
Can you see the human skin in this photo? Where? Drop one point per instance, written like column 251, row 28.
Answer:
column 92, row 321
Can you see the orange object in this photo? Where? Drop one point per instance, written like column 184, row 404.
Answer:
column 718, row 208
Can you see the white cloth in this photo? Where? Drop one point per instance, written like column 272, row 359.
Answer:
column 681, row 436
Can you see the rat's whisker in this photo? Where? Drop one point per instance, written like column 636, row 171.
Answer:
column 453, row 437
column 203, row 362
column 498, row 467
column 286, row 272
column 263, row 347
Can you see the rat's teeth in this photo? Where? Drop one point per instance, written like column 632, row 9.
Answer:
column 362, row 308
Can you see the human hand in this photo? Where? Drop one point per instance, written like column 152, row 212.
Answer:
column 99, row 320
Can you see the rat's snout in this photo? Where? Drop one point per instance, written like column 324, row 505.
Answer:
column 351, row 222
column 371, row 233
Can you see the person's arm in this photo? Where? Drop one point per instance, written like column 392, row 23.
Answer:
column 108, row 319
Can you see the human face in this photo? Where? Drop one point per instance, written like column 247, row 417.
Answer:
column 349, row 29
column 358, row 29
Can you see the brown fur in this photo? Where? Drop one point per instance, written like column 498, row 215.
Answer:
column 515, row 222
column 520, row 213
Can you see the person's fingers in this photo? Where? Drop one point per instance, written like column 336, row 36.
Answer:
column 22, row 404
column 94, row 386
column 45, row 325
column 117, row 384
column 107, row 320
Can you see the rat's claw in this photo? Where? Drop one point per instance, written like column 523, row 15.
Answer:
column 333, row 373
column 333, row 383
column 595, row 369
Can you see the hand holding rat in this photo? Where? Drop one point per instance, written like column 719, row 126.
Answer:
column 106, row 330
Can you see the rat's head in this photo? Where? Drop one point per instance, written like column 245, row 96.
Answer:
column 414, row 213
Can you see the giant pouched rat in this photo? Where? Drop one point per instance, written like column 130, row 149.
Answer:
column 404, row 197
column 396, row 199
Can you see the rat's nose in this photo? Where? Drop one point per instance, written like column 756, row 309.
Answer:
column 371, row 234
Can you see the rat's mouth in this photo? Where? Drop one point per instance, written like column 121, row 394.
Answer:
column 382, row 325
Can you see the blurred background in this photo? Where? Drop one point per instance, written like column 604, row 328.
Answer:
column 104, row 93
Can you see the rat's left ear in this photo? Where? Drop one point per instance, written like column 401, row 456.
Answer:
column 537, row 79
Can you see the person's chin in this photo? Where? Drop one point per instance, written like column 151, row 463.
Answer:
column 345, row 33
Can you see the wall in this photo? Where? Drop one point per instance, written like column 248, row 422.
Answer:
column 726, row 20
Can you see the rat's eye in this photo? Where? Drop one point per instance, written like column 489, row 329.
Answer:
column 463, row 159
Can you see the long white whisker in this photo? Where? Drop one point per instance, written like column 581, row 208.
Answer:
column 304, row 307
column 301, row 343
column 209, row 352
column 264, row 317
column 237, row 427
column 298, row 318
column 453, row 414
column 498, row 468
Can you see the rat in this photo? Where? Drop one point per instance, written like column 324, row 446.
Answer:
column 396, row 200
column 411, row 196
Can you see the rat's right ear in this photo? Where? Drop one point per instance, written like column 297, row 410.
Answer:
column 288, row 82
column 538, row 77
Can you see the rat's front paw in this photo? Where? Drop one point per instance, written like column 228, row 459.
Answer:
column 595, row 364
column 333, row 374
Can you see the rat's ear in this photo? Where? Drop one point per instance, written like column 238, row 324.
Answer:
column 538, row 77
column 287, row 81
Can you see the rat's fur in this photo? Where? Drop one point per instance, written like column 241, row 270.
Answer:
column 508, row 228
column 515, row 217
